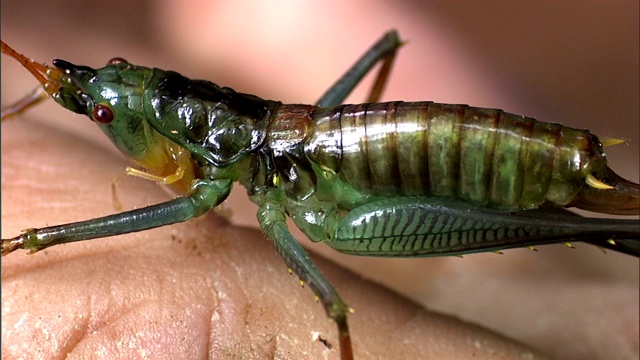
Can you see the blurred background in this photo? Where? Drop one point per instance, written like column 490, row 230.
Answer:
column 571, row 62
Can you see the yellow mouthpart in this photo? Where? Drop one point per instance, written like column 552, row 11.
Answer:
column 167, row 163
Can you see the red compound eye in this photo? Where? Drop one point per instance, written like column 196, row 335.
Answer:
column 102, row 114
column 117, row 60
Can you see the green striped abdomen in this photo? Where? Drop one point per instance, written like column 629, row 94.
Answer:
column 485, row 156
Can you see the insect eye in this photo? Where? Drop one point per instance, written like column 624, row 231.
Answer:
column 117, row 60
column 102, row 114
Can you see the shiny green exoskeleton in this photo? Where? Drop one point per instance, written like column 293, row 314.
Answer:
column 377, row 179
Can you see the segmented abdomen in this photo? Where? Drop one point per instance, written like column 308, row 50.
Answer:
column 485, row 156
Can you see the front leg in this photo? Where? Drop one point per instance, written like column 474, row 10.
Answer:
column 203, row 196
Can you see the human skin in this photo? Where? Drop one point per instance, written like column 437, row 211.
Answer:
column 567, row 280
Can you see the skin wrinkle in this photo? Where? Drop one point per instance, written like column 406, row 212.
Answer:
column 262, row 340
column 84, row 324
column 271, row 344
column 209, row 329
column 275, row 345
column 129, row 312
column 216, row 289
column 78, row 336
column 107, row 325
column 227, row 280
column 215, row 303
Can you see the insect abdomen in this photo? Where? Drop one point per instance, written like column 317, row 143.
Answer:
column 485, row 156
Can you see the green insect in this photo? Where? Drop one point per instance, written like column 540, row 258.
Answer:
column 395, row 179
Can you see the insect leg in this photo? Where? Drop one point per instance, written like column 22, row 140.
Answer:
column 273, row 222
column 205, row 195
column 36, row 96
column 385, row 49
